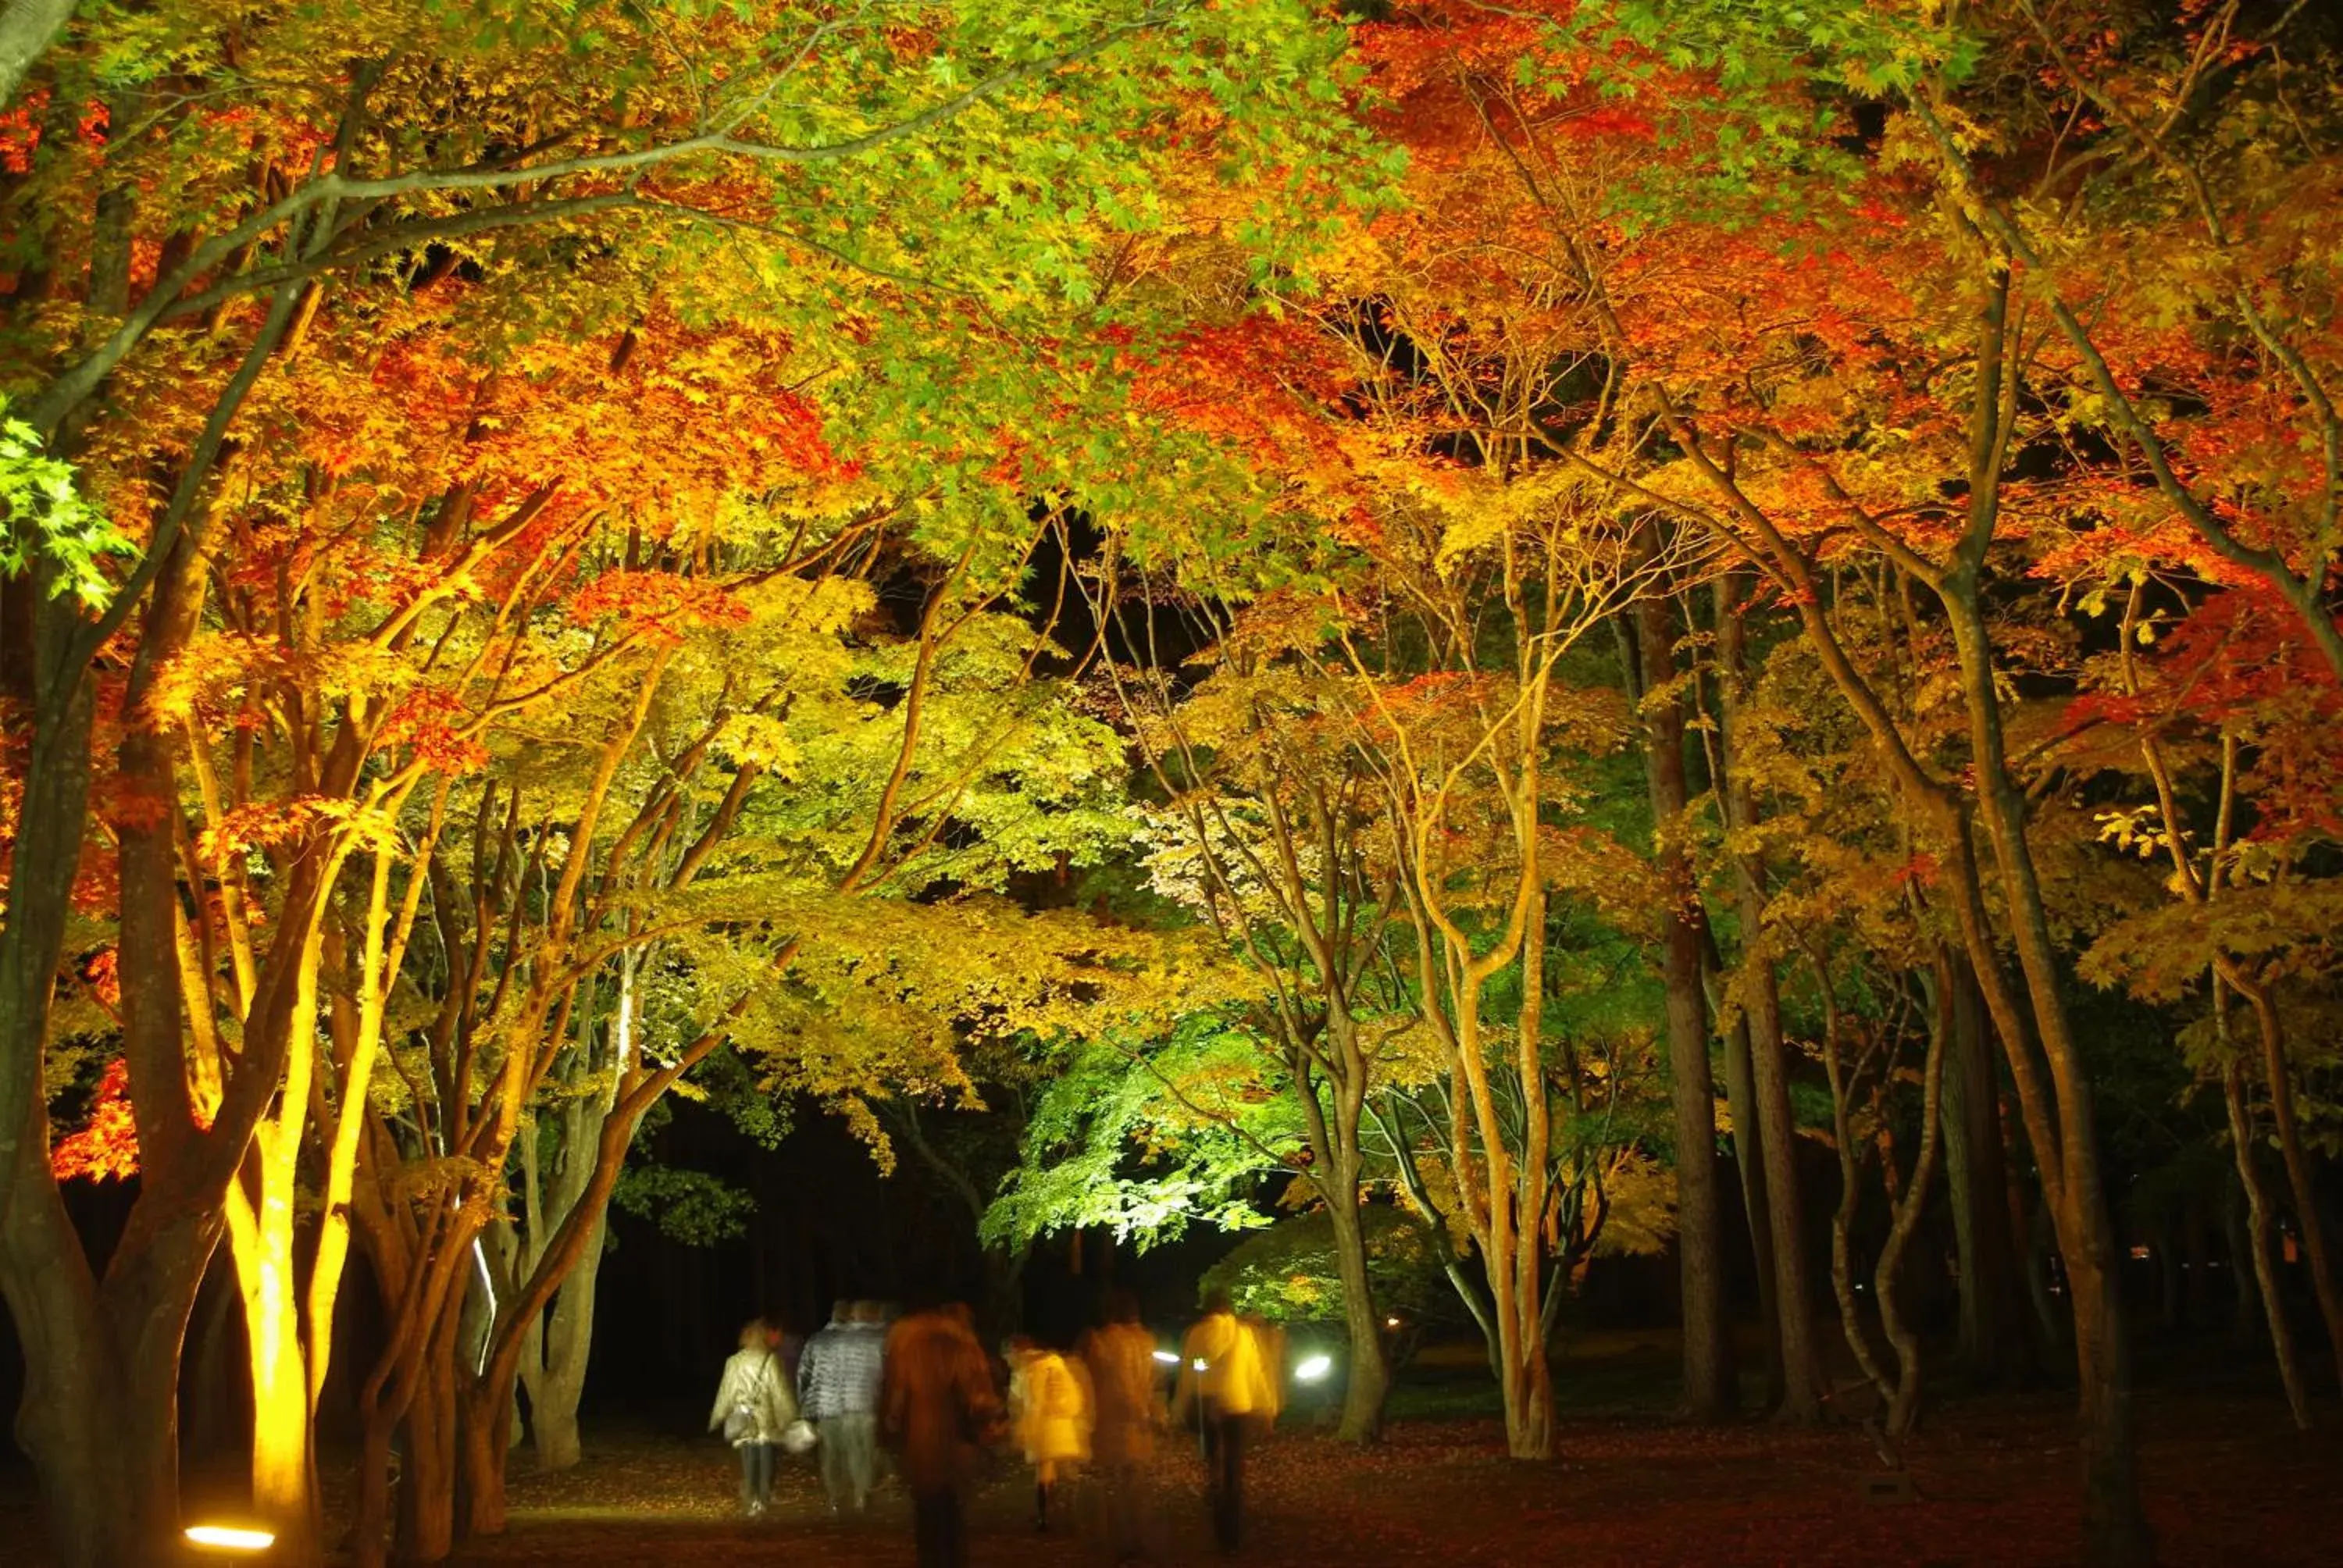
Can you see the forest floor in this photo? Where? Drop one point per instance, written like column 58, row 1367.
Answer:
column 1992, row 1481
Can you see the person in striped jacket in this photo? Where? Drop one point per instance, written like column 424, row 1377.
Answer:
column 839, row 1377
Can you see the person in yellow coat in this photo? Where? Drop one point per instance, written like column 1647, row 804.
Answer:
column 1226, row 1390
column 1050, row 1411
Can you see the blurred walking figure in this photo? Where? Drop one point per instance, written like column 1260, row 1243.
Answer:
column 753, row 1407
column 1050, row 1411
column 1120, row 1356
column 839, row 1379
column 936, row 1409
column 1225, row 1390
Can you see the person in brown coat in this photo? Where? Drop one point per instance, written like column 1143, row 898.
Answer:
column 937, row 1411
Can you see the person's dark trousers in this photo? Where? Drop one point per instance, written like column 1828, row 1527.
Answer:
column 1224, row 1446
column 940, row 1528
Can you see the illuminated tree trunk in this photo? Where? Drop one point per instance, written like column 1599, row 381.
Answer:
column 428, row 1466
column 284, row 1490
column 260, row 1224
column 1368, row 1376
column 555, row 1346
column 1708, row 1375
column 484, row 1391
column 553, row 1366
column 100, row 1412
column 1501, row 1175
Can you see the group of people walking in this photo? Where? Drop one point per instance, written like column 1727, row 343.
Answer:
column 925, row 1391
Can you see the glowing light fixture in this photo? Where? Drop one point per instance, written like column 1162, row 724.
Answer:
column 229, row 1538
column 1197, row 1364
column 1315, row 1368
column 1390, row 1322
column 1167, row 1357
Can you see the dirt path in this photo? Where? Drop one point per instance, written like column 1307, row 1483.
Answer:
column 1994, row 1484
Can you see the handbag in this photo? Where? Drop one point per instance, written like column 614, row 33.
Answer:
column 741, row 1420
column 799, row 1436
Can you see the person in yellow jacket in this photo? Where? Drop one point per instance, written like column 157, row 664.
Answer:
column 1227, row 1390
column 1050, row 1411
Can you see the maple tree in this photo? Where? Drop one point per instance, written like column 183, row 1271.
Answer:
column 251, row 210
column 1615, row 586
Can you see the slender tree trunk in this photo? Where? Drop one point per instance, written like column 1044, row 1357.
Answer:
column 2291, row 1154
column 1761, row 1005
column 1459, row 1280
column 1996, row 1346
column 2254, row 1271
column 1749, row 1162
column 2115, row 1528
column 1904, row 1409
column 1850, row 1192
column 1709, row 1390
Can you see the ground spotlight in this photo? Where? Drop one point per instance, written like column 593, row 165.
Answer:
column 229, row 1538
column 1315, row 1368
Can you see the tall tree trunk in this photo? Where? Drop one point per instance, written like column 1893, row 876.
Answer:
column 1777, row 1134
column 2279, row 1078
column 555, row 1374
column 1708, row 1375
column 1368, row 1373
column 100, row 1412
column 1996, row 1346
column 2115, row 1527
column 1749, row 1162
column 2254, row 1271
column 429, row 1464
column 1761, row 1006
column 1904, row 1408
column 52, row 819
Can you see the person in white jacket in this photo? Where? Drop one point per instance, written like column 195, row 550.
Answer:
column 754, row 1405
